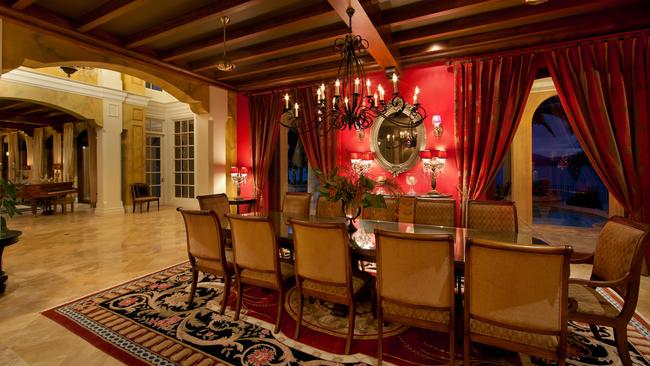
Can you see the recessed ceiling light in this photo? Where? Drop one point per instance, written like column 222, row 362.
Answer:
column 437, row 46
column 535, row 2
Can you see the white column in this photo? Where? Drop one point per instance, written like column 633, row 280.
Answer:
column 219, row 115
column 109, row 149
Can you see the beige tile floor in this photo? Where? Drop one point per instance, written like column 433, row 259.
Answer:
column 62, row 257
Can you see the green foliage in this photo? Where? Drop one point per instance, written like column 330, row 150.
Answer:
column 8, row 197
column 356, row 191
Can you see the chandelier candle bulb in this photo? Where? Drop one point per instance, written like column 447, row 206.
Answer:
column 394, row 83
column 381, row 92
column 346, row 102
column 286, row 101
column 318, row 94
column 356, row 86
column 296, row 107
column 415, row 95
column 337, row 86
column 368, row 87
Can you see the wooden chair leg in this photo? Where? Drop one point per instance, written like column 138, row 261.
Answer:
column 71, row 207
column 226, row 294
column 147, row 206
column 278, row 320
column 158, row 202
column 239, row 299
column 466, row 345
column 195, row 276
column 301, row 299
column 133, row 206
column 620, row 335
column 351, row 315
column 452, row 346
column 380, row 335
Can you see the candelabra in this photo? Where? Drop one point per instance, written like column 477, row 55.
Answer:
column 238, row 176
column 361, row 162
column 433, row 162
column 410, row 180
column 407, row 138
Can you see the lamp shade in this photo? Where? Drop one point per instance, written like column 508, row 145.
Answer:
column 425, row 154
column 442, row 154
column 436, row 118
column 368, row 156
column 234, row 170
column 243, row 171
column 354, row 156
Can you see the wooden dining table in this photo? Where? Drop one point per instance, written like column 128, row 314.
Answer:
column 362, row 241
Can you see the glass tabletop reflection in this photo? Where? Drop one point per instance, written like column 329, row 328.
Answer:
column 363, row 240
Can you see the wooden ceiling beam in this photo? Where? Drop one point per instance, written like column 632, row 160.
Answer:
column 107, row 12
column 430, row 10
column 532, row 35
column 211, row 12
column 505, row 18
column 266, row 50
column 56, row 28
column 37, row 110
column 363, row 26
column 22, row 4
column 28, row 129
column 295, row 61
column 252, row 29
column 21, row 118
column 15, row 104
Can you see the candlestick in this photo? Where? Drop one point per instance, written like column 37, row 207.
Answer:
column 346, row 102
column 296, row 107
column 322, row 88
column 415, row 95
column 381, row 92
column 286, row 101
column 356, row 86
column 395, row 83
column 337, row 85
column 318, row 94
column 368, row 87
column 374, row 98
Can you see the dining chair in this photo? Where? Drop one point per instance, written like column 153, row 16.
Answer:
column 323, row 268
column 495, row 216
column 206, row 250
column 217, row 203
column 257, row 260
column 435, row 211
column 415, row 283
column 326, row 208
column 389, row 213
column 516, row 298
column 617, row 261
column 296, row 203
column 140, row 193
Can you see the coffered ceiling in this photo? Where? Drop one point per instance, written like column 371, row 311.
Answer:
column 275, row 43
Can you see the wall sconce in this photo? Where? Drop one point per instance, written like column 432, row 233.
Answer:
column 238, row 176
column 361, row 162
column 437, row 127
column 433, row 161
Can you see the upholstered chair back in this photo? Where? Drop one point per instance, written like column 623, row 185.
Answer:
column 296, row 203
column 204, row 237
column 495, row 216
column 321, row 251
column 384, row 214
column 325, row 208
column 517, row 286
column 620, row 248
column 415, row 269
column 434, row 211
column 217, row 203
column 254, row 242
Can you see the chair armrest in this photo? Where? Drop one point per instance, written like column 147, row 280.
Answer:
column 587, row 259
column 593, row 283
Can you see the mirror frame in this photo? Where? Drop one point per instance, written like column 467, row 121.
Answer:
column 395, row 169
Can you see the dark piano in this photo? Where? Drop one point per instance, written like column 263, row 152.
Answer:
column 46, row 193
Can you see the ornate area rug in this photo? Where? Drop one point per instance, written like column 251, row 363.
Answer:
column 146, row 321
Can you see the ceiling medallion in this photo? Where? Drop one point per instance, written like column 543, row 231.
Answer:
column 225, row 64
column 352, row 106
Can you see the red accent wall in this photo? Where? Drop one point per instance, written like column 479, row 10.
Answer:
column 436, row 85
column 244, row 142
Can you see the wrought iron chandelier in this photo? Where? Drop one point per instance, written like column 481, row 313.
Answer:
column 352, row 106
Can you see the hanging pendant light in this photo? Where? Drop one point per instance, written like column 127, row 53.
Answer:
column 225, row 64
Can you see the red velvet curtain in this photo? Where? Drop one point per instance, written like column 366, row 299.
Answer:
column 490, row 95
column 265, row 111
column 605, row 90
column 320, row 148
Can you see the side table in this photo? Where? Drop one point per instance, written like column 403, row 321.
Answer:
column 11, row 237
column 238, row 201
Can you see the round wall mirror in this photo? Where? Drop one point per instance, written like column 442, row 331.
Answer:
column 396, row 148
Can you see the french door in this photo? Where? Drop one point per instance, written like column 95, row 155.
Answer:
column 154, row 164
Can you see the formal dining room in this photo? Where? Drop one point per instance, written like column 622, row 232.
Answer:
column 325, row 182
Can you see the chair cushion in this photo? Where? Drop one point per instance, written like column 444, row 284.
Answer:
column 586, row 300
column 435, row 316
column 357, row 284
column 268, row 277
column 548, row 342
